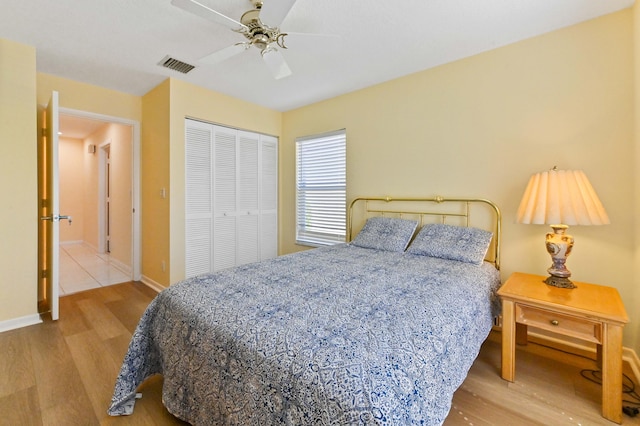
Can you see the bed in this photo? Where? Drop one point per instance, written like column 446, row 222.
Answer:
column 380, row 330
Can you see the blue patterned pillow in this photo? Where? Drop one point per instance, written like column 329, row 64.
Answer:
column 460, row 243
column 386, row 233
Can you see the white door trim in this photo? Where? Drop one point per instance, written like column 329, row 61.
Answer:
column 136, row 266
column 102, row 196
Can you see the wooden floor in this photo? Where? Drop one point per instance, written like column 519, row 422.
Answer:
column 548, row 390
column 62, row 373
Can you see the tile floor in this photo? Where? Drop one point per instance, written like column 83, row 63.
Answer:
column 82, row 268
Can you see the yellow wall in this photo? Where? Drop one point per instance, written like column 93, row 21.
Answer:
column 85, row 97
column 18, row 185
column 90, row 196
column 70, row 157
column 155, row 175
column 165, row 109
column 482, row 125
column 634, row 302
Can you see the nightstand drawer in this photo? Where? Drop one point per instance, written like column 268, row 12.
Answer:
column 567, row 325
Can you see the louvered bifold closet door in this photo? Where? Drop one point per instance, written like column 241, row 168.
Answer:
column 268, row 197
column 231, row 197
column 224, row 198
column 198, row 207
column 247, row 190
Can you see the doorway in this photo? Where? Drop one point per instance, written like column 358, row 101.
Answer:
column 99, row 188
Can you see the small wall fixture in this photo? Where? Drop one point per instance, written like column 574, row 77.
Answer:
column 91, row 149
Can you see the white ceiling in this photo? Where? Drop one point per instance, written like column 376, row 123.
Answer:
column 117, row 44
column 75, row 127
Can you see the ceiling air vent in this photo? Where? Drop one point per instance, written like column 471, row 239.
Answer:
column 176, row 65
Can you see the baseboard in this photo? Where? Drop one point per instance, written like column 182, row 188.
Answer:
column 92, row 247
column 70, row 242
column 152, row 284
column 14, row 323
column 126, row 269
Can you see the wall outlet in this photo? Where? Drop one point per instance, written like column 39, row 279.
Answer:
column 164, row 267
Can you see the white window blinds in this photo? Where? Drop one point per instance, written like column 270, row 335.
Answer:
column 321, row 183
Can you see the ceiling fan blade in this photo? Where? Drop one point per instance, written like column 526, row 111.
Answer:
column 302, row 40
column 205, row 12
column 276, row 63
column 224, row 54
column 273, row 12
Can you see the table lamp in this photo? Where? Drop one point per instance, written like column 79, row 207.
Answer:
column 560, row 198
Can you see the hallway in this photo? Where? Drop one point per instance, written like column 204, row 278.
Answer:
column 82, row 268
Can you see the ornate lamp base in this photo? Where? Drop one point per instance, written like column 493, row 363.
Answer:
column 559, row 246
column 561, row 282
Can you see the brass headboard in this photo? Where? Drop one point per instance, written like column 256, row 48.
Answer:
column 453, row 211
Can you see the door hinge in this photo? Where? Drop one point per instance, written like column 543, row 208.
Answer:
column 44, row 273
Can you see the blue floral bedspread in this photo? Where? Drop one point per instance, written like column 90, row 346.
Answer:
column 339, row 335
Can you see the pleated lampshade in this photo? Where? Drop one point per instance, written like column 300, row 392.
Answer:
column 561, row 197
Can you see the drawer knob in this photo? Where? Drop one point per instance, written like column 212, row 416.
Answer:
column 555, row 322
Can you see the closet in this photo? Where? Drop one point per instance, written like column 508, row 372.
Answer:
column 231, row 197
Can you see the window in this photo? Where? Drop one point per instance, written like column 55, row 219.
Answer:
column 321, row 184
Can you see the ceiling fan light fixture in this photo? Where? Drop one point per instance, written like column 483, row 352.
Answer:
column 261, row 41
column 267, row 49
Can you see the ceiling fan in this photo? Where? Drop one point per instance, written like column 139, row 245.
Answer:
column 269, row 39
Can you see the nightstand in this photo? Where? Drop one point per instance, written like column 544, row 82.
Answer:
column 588, row 312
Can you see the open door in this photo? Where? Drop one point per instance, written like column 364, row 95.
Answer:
column 49, row 238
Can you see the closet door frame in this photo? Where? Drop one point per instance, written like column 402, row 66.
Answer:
column 242, row 222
